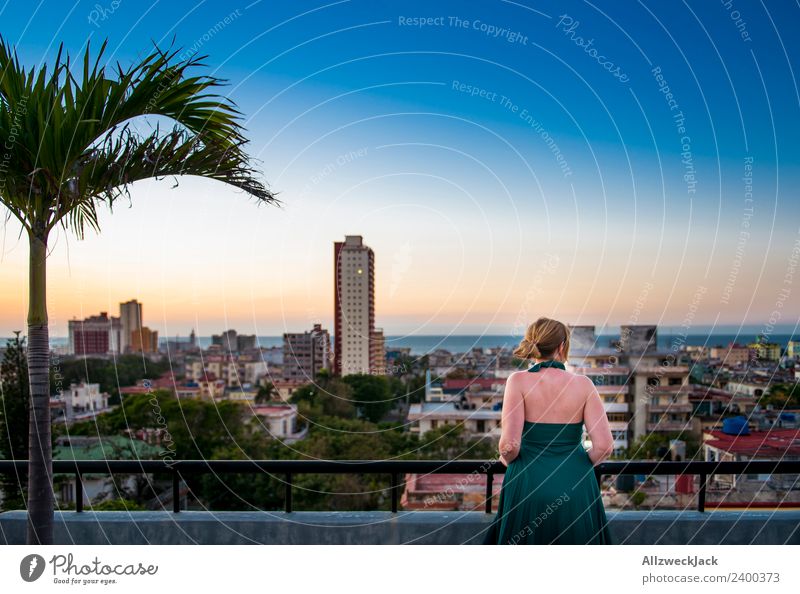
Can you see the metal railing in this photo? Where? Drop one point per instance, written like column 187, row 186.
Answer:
column 394, row 468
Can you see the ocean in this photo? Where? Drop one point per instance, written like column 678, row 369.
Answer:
column 460, row 343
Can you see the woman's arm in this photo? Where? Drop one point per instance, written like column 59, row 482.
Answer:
column 513, row 418
column 596, row 422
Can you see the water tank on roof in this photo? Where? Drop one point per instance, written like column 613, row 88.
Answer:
column 735, row 426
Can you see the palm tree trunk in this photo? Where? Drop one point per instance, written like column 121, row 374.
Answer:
column 40, row 468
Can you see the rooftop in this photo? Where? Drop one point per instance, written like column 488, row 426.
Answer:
column 772, row 444
column 433, row 410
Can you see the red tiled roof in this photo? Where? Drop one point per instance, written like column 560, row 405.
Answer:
column 774, row 443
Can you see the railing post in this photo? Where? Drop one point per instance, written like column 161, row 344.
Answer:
column 176, row 492
column 78, row 493
column 489, row 493
column 701, row 496
column 288, row 493
column 395, row 492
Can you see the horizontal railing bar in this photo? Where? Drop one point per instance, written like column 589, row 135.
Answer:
column 393, row 466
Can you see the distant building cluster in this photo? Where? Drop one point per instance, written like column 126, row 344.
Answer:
column 101, row 335
column 717, row 397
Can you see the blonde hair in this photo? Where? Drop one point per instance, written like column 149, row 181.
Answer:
column 542, row 339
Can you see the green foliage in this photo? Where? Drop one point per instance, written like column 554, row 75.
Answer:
column 448, row 442
column 117, row 505
column 415, row 388
column 14, row 419
column 125, row 370
column 782, row 396
column 69, row 144
column 637, row 498
column 266, row 393
column 647, row 446
column 330, row 398
column 194, row 429
column 216, row 430
column 374, row 395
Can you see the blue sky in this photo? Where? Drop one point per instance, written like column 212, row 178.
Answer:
column 364, row 123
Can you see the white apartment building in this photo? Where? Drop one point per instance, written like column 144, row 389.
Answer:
column 354, row 306
column 83, row 397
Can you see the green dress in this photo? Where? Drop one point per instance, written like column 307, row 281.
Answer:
column 549, row 493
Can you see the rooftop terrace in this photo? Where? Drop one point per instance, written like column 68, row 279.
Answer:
column 686, row 526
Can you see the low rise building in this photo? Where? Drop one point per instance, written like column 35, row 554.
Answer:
column 424, row 416
column 449, row 492
column 743, row 445
column 278, row 421
column 306, row 354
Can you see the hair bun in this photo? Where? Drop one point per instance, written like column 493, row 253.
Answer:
column 527, row 349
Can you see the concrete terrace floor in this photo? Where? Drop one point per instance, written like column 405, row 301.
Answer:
column 413, row 527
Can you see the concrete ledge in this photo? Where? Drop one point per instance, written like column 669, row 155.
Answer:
column 191, row 527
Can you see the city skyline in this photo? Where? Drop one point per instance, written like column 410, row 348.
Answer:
column 491, row 193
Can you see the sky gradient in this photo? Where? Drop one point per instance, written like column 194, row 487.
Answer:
column 500, row 165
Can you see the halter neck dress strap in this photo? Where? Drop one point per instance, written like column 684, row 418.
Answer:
column 543, row 364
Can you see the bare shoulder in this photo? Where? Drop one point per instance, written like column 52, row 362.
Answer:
column 516, row 376
column 584, row 382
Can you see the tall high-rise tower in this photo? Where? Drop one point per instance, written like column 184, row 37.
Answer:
column 354, row 305
column 130, row 317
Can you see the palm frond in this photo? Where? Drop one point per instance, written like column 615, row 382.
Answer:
column 74, row 145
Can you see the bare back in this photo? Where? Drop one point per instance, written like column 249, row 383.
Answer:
column 554, row 396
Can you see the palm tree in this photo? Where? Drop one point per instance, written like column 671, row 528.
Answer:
column 70, row 141
column 266, row 393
